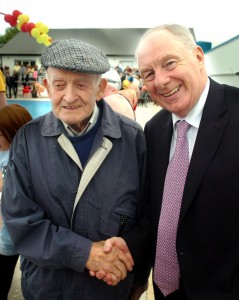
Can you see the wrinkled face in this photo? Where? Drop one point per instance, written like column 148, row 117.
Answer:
column 174, row 76
column 4, row 143
column 73, row 95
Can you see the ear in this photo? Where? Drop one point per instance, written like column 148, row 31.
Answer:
column 46, row 85
column 199, row 55
column 102, row 86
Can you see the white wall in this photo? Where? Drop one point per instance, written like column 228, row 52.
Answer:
column 123, row 61
column 222, row 62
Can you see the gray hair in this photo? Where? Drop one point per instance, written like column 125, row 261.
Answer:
column 180, row 32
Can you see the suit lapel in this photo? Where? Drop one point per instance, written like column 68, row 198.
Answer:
column 158, row 135
column 210, row 133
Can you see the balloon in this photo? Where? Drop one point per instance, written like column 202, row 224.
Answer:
column 39, row 40
column 45, row 37
column 29, row 26
column 23, row 18
column 16, row 13
column 21, row 21
column 43, row 28
column 11, row 20
column 23, row 27
column 35, row 32
column 8, row 18
column 39, row 24
column 47, row 43
column 19, row 25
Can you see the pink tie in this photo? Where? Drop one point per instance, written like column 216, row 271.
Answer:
column 166, row 269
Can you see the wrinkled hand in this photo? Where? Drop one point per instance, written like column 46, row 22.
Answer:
column 109, row 262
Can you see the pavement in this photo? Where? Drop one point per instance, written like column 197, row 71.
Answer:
column 143, row 114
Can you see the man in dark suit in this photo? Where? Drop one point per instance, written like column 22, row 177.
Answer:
column 207, row 233
column 206, row 242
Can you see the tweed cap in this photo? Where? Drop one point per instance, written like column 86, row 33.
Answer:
column 75, row 55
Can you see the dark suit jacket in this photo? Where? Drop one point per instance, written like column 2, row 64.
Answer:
column 208, row 230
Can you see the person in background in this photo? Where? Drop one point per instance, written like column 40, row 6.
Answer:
column 17, row 67
column 34, row 90
column 134, row 86
column 40, row 89
column 22, row 74
column 12, row 118
column 35, row 74
column 75, row 178
column 15, row 79
column 9, row 83
column 129, row 94
column 3, row 99
column 111, row 95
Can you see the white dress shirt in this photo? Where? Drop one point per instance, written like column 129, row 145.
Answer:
column 194, row 119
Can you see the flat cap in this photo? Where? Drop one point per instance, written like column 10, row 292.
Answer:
column 75, row 55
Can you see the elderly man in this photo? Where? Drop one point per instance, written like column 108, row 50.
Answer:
column 75, row 179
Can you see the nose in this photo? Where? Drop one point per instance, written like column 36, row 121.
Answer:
column 161, row 79
column 70, row 94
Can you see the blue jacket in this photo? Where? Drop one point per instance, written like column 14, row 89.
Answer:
column 6, row 245
column 55, row 209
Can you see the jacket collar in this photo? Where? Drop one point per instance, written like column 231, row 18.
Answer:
column 109, row 124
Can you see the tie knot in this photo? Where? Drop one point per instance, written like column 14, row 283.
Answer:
column 182, row 128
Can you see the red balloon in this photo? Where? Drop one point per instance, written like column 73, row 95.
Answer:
column 13, row 23
column 29, row 26
column 11, row 20
column 23, row 27
column 16, row 13
column 8, row 18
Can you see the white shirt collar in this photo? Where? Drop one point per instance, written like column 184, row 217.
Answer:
column 195, row 115
column 91, row 123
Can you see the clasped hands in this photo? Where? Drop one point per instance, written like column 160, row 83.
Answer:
column 110, row 260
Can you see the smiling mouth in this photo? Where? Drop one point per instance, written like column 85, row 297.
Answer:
column 172, row 92
column 72, row 107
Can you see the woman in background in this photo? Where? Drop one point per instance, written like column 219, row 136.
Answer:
column 12, row 118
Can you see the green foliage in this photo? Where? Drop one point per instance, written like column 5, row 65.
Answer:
column 10, row 32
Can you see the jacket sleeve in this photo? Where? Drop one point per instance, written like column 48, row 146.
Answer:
column 137, row 238
column 33, row 235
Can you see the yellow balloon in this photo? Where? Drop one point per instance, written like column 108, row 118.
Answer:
column 23, row 18
column 45, row 37
column 35, row 32
column 47, row 43
column 38, row 25
column 43, row 28
column 19, row 25
column 39, row 40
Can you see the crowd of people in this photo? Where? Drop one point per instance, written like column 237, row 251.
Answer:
column 23, row 77
column 92, row 202
column 29, row 80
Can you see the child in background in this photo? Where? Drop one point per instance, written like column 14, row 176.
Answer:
column 12, row 118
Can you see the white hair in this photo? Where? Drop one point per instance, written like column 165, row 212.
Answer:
column 182, row 33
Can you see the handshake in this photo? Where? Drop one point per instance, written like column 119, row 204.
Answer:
column 110, row 260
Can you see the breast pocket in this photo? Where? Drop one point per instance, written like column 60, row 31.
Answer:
column 120, row 221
